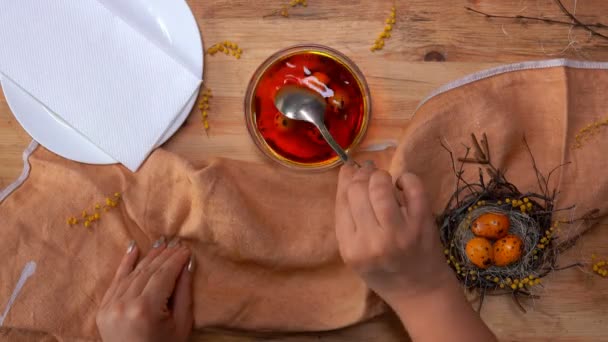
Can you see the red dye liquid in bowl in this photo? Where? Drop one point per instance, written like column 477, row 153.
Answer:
column 301, row 141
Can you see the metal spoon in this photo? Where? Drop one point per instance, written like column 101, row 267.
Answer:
column 298, row 103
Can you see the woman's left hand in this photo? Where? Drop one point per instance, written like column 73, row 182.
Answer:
column 150, row 300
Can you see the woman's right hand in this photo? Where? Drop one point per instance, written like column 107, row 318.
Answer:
column 386, row 232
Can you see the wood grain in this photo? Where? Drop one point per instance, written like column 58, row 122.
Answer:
column 399, row 77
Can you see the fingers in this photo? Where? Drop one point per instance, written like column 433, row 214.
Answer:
column 157, row 248
column 162, row 283
column 416, row 201
column 124, row 269
column 182, row 301
column 359, row 200
column 384, row 203
column 344, row 221
column 346, row 174
column 143, row 276
column 364, row 172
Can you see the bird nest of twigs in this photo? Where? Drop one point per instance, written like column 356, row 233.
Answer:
column 532, row 218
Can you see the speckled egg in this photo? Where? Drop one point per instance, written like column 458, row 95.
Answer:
column 282, row 123
column 508, row 250
column 491, row 225
column 480, row 253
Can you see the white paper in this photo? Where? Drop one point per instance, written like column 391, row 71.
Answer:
column 95, row 72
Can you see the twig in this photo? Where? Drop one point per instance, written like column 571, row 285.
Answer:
column 545, row 20
column 578, row 22
column 539, row 176
column 461, row 172
column 552, row 211
column 481, row 297
column 458, row 174
column 478, row 151
column 483, row 156
column 567, row 267
column 527, row 294
column 516, row 300
column 592, row 214
column 451, row 155
column 467, row 187
column 539, row 196
column 484, row 142
column 473, row 161
column 587, row 218
column 555, row 169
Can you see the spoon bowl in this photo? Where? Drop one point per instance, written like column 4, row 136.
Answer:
column 303, row 104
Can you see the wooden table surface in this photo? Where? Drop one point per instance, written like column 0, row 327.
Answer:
column 433, row 42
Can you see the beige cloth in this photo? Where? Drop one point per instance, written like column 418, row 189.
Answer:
column 549, row 106
column 263, row 236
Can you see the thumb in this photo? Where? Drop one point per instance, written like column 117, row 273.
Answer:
column 182, row 301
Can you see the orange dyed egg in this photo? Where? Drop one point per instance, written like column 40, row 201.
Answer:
column 282, row 123
column 492, row 226
column 340, row 100
column 508, row 250
column 480, row 253
column 323, row 78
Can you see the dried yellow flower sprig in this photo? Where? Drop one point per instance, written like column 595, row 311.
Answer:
column 203, row 106
column 524, row 205
column 588, row 131
column 390, row 21
column 600, row 267
column 526, row 282
column 294, row 3
column 227, row 47
column 515, row 284
column 546, row 239
column 95, row 215
column 479, row 204
column 284, row 12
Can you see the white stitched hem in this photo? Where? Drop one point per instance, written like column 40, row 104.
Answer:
column 549, row 63
column 24, row 174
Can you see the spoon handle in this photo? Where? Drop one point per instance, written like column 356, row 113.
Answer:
column 332, row 143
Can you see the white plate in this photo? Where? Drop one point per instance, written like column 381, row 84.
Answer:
column 168, row 23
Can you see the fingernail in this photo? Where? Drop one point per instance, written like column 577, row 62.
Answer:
column 159, row 242
column 174, row 242
column 131, row 247
column 352, row 163
column 398, row 184
column 369, row 163
column 191, row 265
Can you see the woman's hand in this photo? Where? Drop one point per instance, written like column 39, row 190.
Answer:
column 386, row 233
column 150, row 300
column 389, row 235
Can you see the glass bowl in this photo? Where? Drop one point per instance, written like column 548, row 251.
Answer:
column 272, row 63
